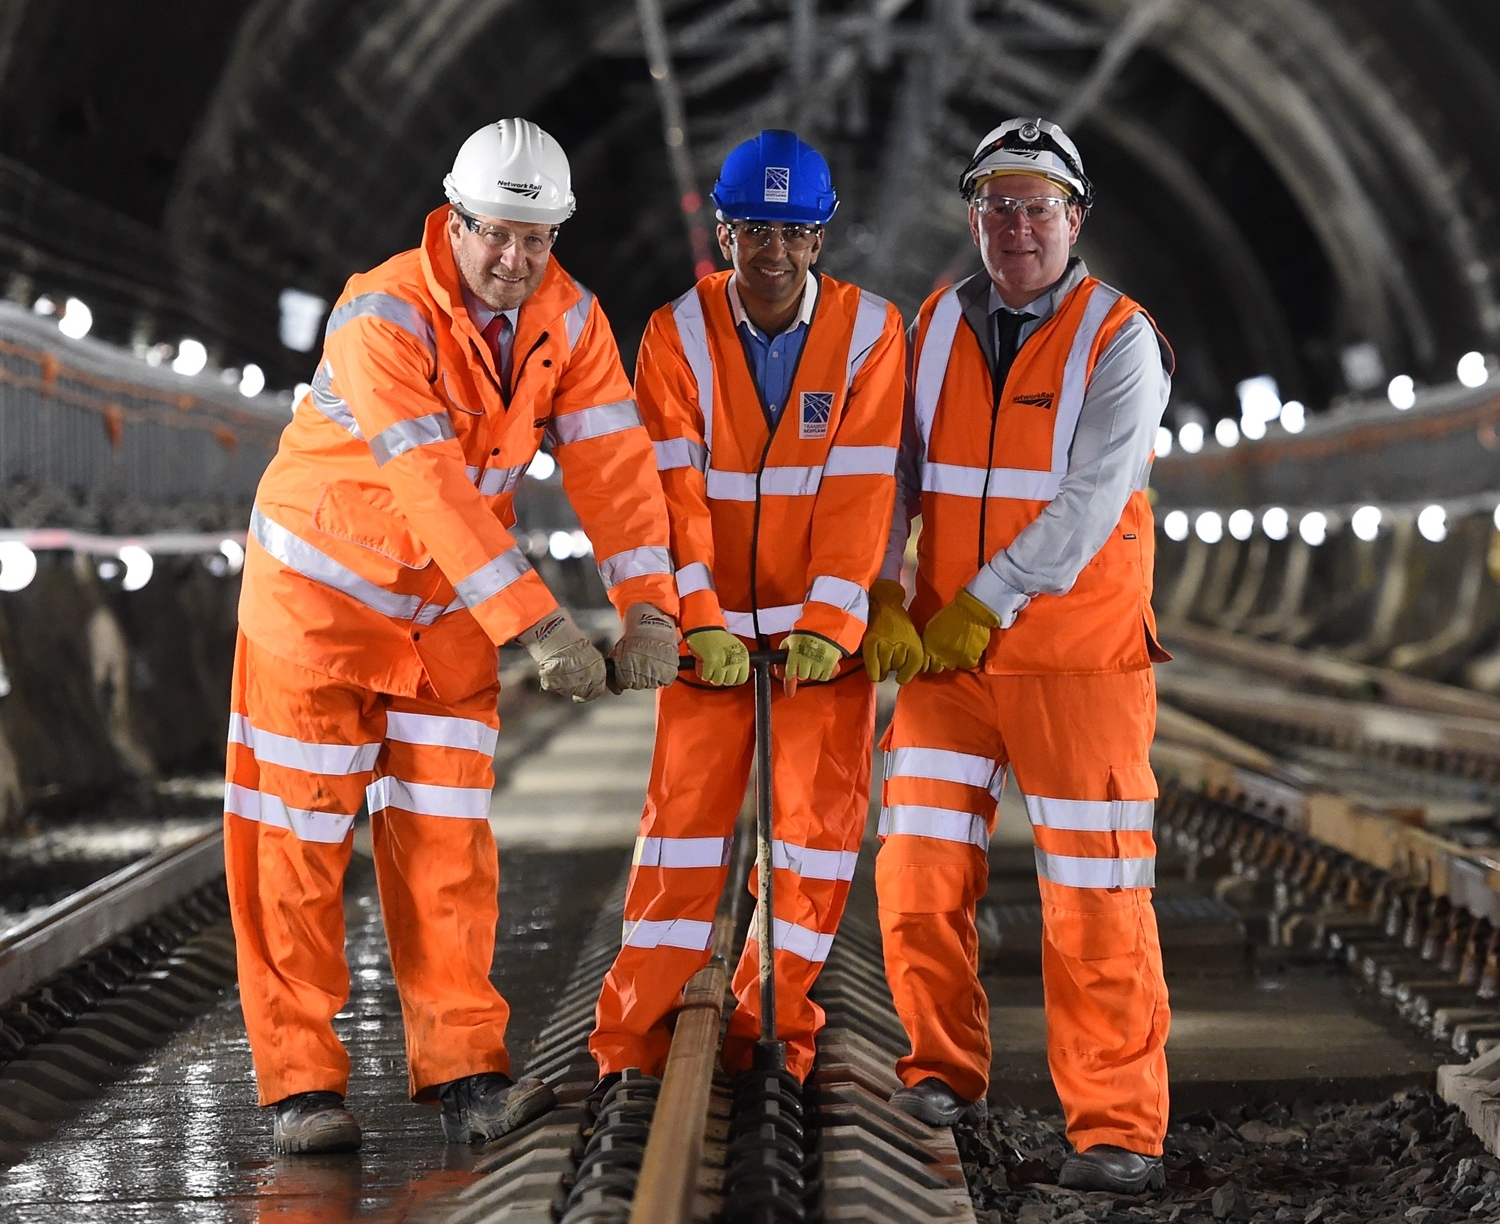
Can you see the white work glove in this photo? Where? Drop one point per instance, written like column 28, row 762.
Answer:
column 646, row 655
column 566, row 661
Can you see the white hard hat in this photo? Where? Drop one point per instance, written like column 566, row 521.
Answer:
column 1028, row 146
column 514, row 171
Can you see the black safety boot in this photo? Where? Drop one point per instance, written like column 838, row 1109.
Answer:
column 602, row 1087
column 482, row 1107
column 1106, row 1167
column 936, row 1104
column 314, row 1122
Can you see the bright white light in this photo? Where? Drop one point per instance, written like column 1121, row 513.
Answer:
column 191, row 357
column 1402, row 392
column 234, row 553
column 1433, row 523
column 1260, row 399
column 76, row 320
column 582, row 545
column 1293, row 416
column 1226, row 433
column 109, row 568
column 138, row 567
column 1210, row 527
column 1366, row 522
column 560, row 545
column 1163, row 442
column 300, row 315
column 1497, row 518
column 1176, row 525
column 17, row 566
column 542, row 465
column 1313, row 527
column 299, row 391
column 44, row 306
column 1190, row 437
column 252, row 381
column 1472, row 371
column 1253, row 428
column 1241, row 524
column 1275, row 522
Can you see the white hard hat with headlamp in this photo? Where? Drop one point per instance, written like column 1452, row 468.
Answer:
column 1028, row 146
column 514, row 171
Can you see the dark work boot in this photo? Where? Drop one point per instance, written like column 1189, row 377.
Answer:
column 1106, row 1167
column 478, row 1108
column 936, row 1104
column 308, row 1123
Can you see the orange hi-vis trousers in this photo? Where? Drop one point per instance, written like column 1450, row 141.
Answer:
column 821, row 742
column 304, row 751
column 1078, row 745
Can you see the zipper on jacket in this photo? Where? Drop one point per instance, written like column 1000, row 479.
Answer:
column 989, row 458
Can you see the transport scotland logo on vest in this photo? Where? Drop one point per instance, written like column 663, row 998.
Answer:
column 817, row 408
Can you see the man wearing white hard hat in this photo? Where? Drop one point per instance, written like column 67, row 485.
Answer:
column 1035, row 396
column 380, row 578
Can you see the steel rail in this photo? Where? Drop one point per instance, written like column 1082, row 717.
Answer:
column 85, row 921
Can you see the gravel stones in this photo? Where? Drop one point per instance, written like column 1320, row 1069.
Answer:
column 1409, row 1159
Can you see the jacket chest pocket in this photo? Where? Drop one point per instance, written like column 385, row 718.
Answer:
column 358, row 519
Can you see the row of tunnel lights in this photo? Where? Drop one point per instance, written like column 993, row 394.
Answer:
column 1313, row 527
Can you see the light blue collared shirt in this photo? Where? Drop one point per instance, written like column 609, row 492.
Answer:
column 773, row 359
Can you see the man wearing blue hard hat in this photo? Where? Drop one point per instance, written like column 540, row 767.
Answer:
column 773, row 396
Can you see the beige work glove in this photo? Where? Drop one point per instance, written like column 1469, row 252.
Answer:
column 646, row 654
column 566, row 661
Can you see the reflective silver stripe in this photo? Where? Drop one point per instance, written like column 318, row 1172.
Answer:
column 577, row 315
column 945, row 824
column 407, row 435
column 634, row 563
column 329, row 404
column 801, row 941
column 388, row 307
column 296, row 553
column 680, row 453
column 595, row 422
column 932, row 364
column 1075, row 375
column 1091, row 816
column 842, row 594
column 773, row 482
column 441, row 731
column 692, row 333
column 493, row 577
column 273, row 749
column 860, row 461
column 493, row 481
column 330, row 828
column 945, row 765
column 687, row 933
column 673, row 852
column 424, row 799
column 780, row 619
column 813, row 864
column 869, row 325
column 428, row 613
column 694, row 577
column 1022, row 483
column 1074, row 872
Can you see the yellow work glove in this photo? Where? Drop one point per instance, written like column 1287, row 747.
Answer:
column 722, row 657
column 892, row 642
column 809, row 657
column 956, row 637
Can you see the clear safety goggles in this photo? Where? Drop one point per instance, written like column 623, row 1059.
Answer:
column 757, row 234
column 499, row 239
column 1036, row 209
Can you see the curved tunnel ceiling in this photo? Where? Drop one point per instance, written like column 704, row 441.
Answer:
column 1277, row 181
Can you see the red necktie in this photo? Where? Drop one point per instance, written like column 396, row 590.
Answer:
column 493, row 330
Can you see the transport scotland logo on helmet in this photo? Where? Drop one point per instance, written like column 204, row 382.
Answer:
column 816, row 409
column 778, row 184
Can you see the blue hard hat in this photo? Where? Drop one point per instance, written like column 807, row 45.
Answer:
column 775, row 177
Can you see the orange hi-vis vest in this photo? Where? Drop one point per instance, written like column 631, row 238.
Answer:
column 990, row 465
column 380, row 551
column 775, row 529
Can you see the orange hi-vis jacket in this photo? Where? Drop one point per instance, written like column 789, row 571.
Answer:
column 781, row 529
column 991, row 464
column 380, row 548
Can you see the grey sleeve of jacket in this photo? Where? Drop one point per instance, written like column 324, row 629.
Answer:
column 1122, row 409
